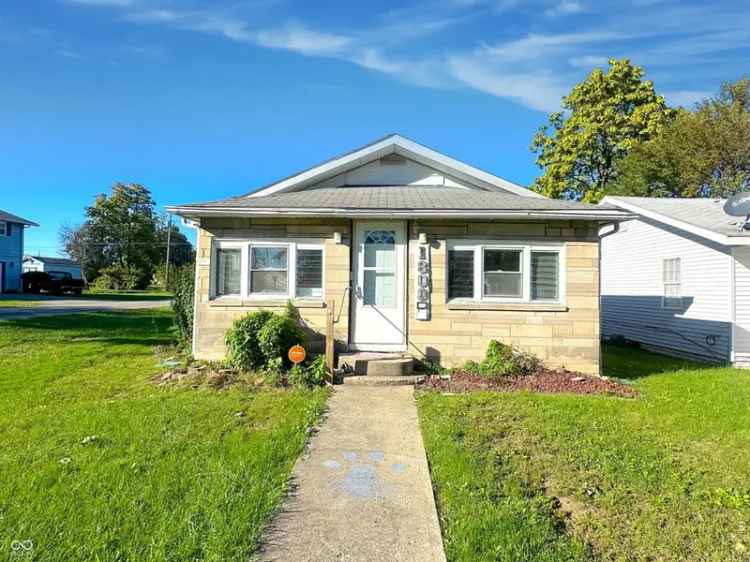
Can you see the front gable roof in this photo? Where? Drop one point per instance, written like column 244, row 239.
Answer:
column 365, row 183
column 389, row 145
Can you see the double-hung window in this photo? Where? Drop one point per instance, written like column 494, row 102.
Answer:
column 672, row 279
column 5, row 228
column 487, row 271
column 268, row 269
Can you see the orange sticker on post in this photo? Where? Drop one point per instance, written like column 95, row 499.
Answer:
column 297, row 354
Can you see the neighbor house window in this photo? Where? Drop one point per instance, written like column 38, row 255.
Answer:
column 672, row 279
column 228, row 271
column 268, row 269
column 5, row 228
column 510, row 273
column 269, row 272
column 309, row 274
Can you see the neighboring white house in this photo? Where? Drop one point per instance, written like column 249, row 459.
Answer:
column 677, row 279
column 40, row 263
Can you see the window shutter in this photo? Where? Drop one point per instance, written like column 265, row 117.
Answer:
column 309, row 275
column 228, row 272
column 461, row 274
column 544, row 275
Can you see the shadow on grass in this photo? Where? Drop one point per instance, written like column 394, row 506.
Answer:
column 127, row 296
column 627, row 362
column 117, row 327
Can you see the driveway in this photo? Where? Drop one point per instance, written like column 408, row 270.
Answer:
column 46, row 306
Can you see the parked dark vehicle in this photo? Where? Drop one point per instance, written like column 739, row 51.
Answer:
column 55, row 282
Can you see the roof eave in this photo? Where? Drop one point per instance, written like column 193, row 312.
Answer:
column 719, row 238
column 562, row 214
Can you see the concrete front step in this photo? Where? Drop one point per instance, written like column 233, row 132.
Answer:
column 360, row 380
column 377, row 364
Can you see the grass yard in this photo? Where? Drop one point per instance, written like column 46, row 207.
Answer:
column 665, row 476
column 174, row 474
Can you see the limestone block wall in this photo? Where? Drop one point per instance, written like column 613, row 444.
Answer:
column 562, row 335
column 565, row 335
column 212, row 319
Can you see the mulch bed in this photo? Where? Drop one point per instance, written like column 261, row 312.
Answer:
column 548, row 380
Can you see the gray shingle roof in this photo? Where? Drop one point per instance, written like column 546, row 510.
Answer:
column 703, row 213
column 401, row 198
column 9, row 217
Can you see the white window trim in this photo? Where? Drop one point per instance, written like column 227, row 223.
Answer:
column 244, row 246
column 479, row 246
column 4, row 228
column 678, row 304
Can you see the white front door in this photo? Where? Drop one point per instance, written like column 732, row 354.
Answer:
column 379, row 311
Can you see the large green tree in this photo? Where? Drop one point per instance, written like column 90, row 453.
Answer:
column 123, row 229
column 601, row 120
column 704, row 152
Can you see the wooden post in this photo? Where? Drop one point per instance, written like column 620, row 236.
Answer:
column 330, row 315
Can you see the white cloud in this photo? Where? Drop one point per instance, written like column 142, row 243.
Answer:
column 70, row 54
column 299, row 39
column 566, row 7
column 107, row 3
column 538, row 90
column 588, row 61
column 537, row 46
column 418, row 43
column 686, row 98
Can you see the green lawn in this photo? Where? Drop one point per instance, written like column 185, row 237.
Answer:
column 173, row 474
column 662, row 477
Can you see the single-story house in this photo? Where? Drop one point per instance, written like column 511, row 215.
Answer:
column 63, row 265
column 11, row 250
column 420, row 253
column 677, row 278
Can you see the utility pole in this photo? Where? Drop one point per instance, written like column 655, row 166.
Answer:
column 169, row 246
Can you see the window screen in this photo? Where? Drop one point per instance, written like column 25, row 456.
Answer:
column 228, row 271
column 502, row 273
column 309, row 276
column 461, row 274
column 269, row 270
column 544, row 275
column 672, row 278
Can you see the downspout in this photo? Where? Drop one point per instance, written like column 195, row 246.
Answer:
column 615, row 229
column 732, row 304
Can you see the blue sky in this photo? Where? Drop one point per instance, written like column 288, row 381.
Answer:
column 202, row 99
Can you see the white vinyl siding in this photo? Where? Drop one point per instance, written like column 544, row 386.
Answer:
column 633, row 290
column 741, row 339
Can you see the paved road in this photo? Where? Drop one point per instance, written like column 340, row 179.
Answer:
column 363, row 489
column 54, row 307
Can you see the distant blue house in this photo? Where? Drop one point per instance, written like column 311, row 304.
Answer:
column 11, row 250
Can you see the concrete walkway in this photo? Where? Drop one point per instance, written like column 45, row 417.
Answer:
column 362, row 489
